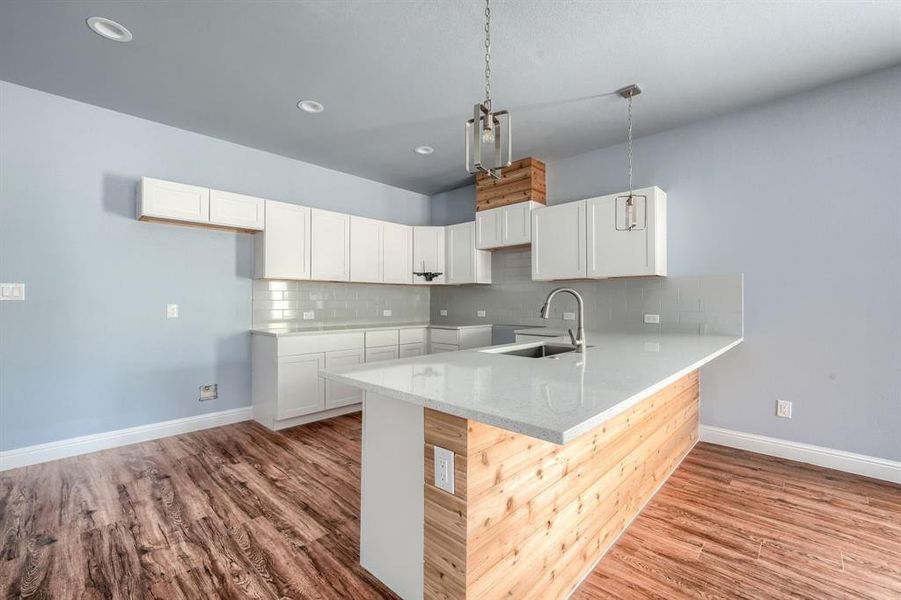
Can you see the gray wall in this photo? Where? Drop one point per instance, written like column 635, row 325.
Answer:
column 803, row 196
column 91, row 349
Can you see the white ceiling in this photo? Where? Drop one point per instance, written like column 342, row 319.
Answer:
column 397, row 74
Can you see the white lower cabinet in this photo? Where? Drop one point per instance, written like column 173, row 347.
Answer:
column 299, row 386
column 451, row 339
column 438, row 348
column 340, row 394
column 287, row 387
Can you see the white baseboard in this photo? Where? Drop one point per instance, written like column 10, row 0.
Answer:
column 31, row 455
column 870, row 466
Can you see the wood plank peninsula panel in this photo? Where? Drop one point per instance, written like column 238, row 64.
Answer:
column 529, row 518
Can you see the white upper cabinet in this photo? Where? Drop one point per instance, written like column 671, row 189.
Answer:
column 365, row 250
column 558, row 242
column 159, row 199
column 380, row 252
column 504, row 226
column 466, row 264
column 397, row 253
column 236, row 210
column 282, row 250
column 429, row 253
column 616, row 251
column 330, row 246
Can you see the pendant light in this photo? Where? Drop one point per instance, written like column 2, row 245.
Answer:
column 633, row 207
column 488, row 133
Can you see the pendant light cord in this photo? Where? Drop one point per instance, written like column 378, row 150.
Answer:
column 487, row 55
column 629, row 104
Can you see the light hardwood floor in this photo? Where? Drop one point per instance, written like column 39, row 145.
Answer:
column 241, row 512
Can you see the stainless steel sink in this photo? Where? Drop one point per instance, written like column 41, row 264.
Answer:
column 540, row 351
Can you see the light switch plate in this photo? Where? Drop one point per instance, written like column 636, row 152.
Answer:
column 387, row 312
column 649, row 318
column 172, row 311
column 480, row 313
column 443, row 312
column 308, row 315
column 12, row 291
column 444, row 469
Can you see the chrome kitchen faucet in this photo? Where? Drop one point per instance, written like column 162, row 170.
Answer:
column 578, row 339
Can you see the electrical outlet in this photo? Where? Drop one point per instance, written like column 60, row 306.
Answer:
column 172, row 311
column 308, row 315
column 480, row 313
column 209, row 392
column 569, row 316
column 443, row 312
column 444, row 469
column 648, row 318
column 386, row 312
column 12, row 291
column 784, row 409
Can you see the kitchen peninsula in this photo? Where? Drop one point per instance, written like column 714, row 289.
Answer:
column 552, row 458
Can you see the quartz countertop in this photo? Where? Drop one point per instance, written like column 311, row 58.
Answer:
column 553, row 399
column 327, row 328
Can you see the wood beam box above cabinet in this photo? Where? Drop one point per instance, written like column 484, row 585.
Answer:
column 522, row 181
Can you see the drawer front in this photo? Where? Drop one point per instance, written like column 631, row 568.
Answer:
column 438, row 348
column 387, row 337
column 325, row 342
column 409, row 336
column 411, row 350
column 445, row 336
column 525, row 339
column 378, row 354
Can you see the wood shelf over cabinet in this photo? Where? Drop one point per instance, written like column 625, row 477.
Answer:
column 522, row 181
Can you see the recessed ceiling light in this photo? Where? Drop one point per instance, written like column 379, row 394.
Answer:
column 423, row 150
column 310, row 106
column 109, row 29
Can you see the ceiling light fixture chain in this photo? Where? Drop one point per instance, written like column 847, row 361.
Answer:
column 488, row 132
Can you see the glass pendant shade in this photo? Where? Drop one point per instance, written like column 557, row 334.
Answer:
column 489, row 141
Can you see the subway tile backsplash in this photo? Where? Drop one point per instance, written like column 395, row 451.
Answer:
column 700, row 305
column 281, row 303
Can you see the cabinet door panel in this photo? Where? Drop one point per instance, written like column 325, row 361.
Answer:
column 558, row 242
column 236, row 210
column 489, row 228
column 177, row 201
column 300, row 389
column 341, row 394
column 410, row 350
column 613, row 250
column 517, row 224
column 282, row 251
column 397, row 253
column 460, row 257
column 330, row 247
column 365, row 250
column 381, row 353
column 429, row 253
